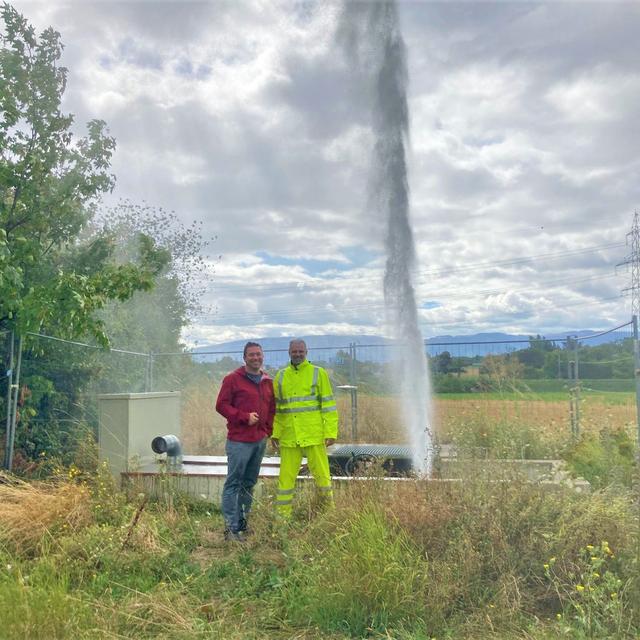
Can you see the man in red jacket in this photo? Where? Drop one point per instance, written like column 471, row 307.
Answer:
column 246, row 401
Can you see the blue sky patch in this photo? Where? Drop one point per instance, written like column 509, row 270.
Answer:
column 356, row 256
column 359, row 256
column 312, row 267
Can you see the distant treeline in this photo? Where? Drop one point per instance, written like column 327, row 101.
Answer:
column 542, row 366
column 473, row 384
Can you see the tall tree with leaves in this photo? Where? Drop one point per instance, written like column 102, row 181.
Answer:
column 49, row 184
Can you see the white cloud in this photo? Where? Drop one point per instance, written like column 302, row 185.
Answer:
column 243, row 114
column 599, row 95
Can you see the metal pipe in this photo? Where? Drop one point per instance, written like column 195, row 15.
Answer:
column 353, row 392
column 170, row 445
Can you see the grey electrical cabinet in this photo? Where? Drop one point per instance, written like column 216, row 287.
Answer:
column 128, row 422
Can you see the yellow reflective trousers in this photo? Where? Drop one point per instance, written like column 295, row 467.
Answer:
column 290, row 459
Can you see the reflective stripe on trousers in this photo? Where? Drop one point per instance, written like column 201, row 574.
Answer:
column 290, row 459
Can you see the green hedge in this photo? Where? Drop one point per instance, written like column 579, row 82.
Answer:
column 443, row 383
column 468, row 384
column 595, row 385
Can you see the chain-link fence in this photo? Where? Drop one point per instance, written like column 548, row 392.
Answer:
column 505, row 393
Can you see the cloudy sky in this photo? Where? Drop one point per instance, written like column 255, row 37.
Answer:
column 524, row 160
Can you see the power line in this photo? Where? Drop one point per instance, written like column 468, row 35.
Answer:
column 312, row 282
column 604, row 333
column 84, row 344
column 379, row 306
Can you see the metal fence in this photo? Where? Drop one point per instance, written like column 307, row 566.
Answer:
column 48, row 405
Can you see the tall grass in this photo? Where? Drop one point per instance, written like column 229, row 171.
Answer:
column 31, row 514
column 356, row 574
column 472, row 559
column 490, row 556
column 36, row 605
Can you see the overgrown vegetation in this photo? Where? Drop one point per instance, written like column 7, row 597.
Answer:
column 404, row 561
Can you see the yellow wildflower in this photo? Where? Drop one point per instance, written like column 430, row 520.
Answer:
column 579, row 588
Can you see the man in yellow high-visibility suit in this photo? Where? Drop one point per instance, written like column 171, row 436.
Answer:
column 305, row 424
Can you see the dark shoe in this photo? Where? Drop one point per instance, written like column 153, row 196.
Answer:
column 234, row 536
column 242, row 526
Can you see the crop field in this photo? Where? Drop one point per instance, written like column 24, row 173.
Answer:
column 508, row 424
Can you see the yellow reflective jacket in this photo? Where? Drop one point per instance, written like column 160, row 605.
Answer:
column 306, row 411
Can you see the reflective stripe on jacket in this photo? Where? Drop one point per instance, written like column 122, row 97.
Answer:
column 306, row 411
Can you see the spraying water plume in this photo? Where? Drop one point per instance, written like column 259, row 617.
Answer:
column 372, row 40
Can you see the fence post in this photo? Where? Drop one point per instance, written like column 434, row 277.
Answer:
column 14, row 409
column 577, row 385
column 354, row 392
column 148, row 383
column 9, row 376
column 636, row 354
column 574, row 389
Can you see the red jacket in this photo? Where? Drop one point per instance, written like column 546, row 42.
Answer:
column 238, row 397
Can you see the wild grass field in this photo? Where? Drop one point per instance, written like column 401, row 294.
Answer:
column 516, row 425
column 494, row 558
column 500, row 560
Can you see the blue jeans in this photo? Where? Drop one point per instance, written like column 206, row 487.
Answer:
column 243, row 466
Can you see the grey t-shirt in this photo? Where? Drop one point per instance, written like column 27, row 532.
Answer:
column 254, row 377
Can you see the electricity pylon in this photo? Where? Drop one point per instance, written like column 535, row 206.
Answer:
column 633, row 238
column 633, row 261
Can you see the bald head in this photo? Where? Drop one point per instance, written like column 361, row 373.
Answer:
column 297, row 352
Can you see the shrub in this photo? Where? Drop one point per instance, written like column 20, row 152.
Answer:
column 443, row 383
column 603, row 459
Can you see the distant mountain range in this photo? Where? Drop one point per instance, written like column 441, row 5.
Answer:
column 378, row 349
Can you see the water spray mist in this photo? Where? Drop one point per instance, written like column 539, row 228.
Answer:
column 374, row 44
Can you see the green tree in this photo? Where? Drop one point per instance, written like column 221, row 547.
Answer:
column 53, row 279
column 49, row 184
column 502, row 372
column 443, row 362
column 535, row 356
